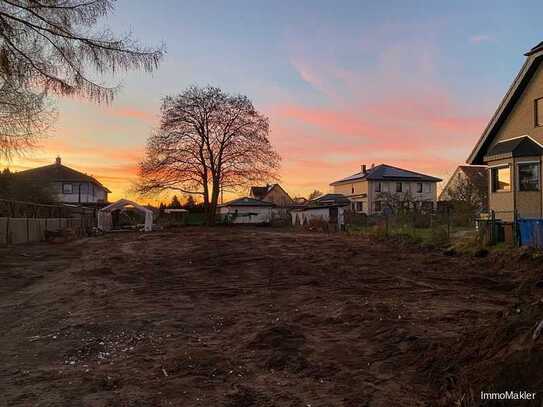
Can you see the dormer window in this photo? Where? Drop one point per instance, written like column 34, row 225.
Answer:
column 538, row 112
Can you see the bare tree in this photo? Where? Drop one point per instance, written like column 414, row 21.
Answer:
column 314, row 195
column 24, row 118
column 208, row 141
column 397, row 201
column 49, row 47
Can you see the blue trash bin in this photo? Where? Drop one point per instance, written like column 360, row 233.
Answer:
column 531, row 232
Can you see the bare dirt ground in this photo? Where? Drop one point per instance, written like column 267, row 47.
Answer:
column 260, row 317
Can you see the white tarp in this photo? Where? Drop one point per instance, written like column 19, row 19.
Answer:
column 104, row 214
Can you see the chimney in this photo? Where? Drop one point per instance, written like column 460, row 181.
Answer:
column 57, row 160
column 363, row 168
column 372, row 166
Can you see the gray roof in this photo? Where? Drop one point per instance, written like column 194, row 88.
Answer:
column 516, row 147
column 385, row 172
column 330, row 199
column 246, row 201
column 59, row 173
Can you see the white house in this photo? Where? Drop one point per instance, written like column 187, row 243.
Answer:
column 69, row 185
column 247, row 210
column 329, row 208
column 368, row 189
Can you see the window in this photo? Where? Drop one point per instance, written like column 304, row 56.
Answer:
column 399, row 187
column 419, row 187
column 528, row 177
column 67, row 188
column 353, row 206
column 501, row 179
column 427, row 187
column 538, row 112
column 378, row 206
column 359, row 206
column 378, row 187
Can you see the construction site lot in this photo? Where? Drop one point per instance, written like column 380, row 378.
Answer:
column 240, row 317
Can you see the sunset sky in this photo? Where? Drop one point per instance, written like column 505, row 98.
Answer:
column 405, row 83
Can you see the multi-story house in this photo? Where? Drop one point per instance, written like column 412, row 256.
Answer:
column 371, row 190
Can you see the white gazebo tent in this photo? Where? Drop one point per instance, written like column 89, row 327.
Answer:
column 104, row 214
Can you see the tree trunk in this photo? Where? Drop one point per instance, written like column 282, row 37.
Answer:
column 214, row 201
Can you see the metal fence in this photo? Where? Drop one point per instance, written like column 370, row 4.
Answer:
column 24, row 222
column 431, row 226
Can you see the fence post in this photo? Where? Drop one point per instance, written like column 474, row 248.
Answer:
column 386, row 225
column 7, row 231
column 493, row 227
column 448, row 222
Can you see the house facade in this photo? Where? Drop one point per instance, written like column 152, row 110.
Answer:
column 329, row 208
column 512, row 145
column 247, row 210
column 468, row 183
column 272, row 193
column 68, row 185
column 370, row 190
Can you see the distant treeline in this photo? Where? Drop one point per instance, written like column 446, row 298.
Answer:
column 189, row 203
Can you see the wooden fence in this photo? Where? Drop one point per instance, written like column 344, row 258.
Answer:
column 24, row 222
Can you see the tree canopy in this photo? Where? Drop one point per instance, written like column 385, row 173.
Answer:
column 51, row 47
column 208, row 141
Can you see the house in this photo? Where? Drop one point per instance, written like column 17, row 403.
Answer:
column 329, row 208
column 512, row 145
column 272, row 193
column 468, row 183
column 370, row 189
column 69, row 185
column 247, row 210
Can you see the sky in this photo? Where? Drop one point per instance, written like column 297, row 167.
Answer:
column 406, row 83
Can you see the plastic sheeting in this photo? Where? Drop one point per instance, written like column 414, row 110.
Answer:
column 104, row 214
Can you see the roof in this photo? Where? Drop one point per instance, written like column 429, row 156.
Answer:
column 246, row 201
column 537, row 48
column 259, row 192
column 59, row 173
column 121, row 203
column 175, row 210
column 384, row 172
column 474, row 171
column 262, row 192
column 515, row 147
column 477, row 175
column 330, row 199
column 533, row 60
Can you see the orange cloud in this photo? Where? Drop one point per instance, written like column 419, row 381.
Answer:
column 133, row 113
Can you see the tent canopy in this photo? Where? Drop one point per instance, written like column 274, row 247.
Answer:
column 104, row 214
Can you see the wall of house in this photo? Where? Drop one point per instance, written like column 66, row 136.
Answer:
column 429, row 191
column 84, row 192
column 322, row 214
column 501, row 202
column 521, row 120
column 278, row 196
column 247, row 214
column 527, row 203
column 360, row 188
